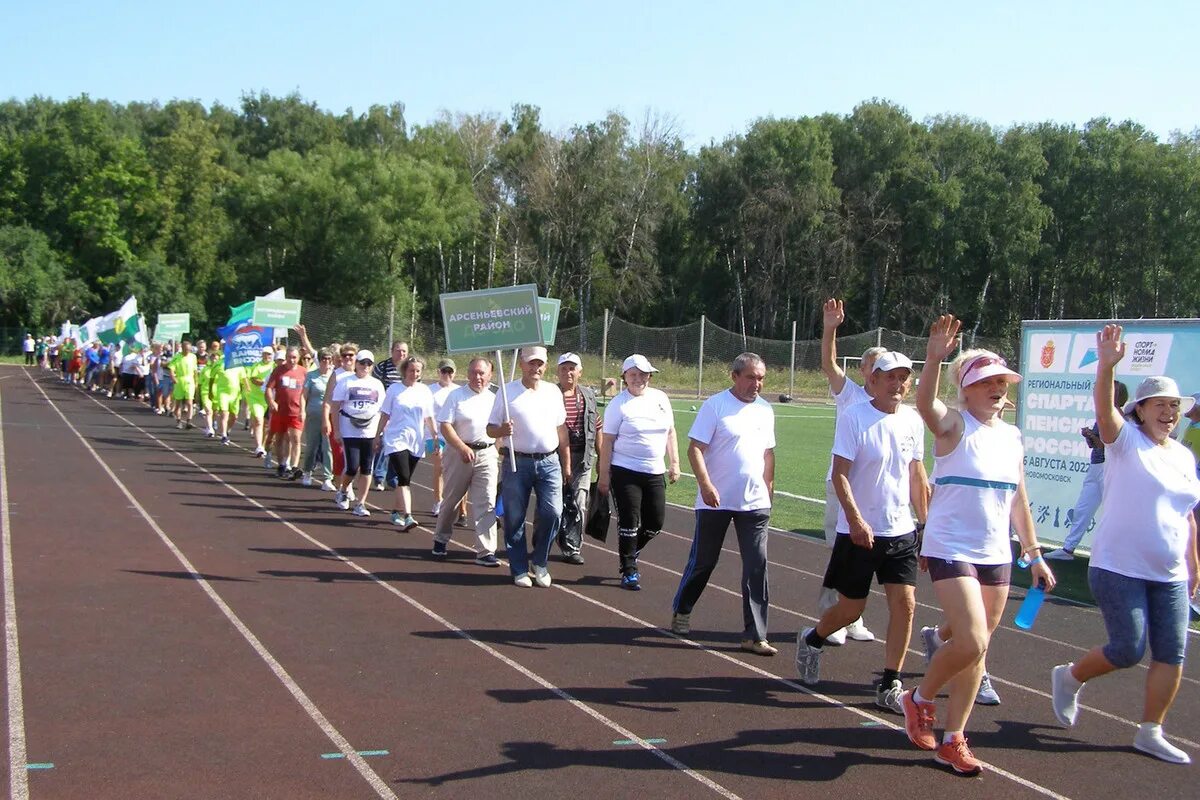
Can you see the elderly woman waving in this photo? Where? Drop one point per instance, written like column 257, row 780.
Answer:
column 1144, row 565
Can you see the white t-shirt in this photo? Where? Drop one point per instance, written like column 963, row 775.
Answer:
column 640, row 425
column 976, row 484
column 881, row 447
column 1148, row 491
column 361, row 398
column 408, row 408
column 535, row 414
column 738, row 436
column 131, row 363
column 468, row 412
column 440, row 393
column 851, row 394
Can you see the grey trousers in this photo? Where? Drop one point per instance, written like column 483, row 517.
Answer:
column 711, row 527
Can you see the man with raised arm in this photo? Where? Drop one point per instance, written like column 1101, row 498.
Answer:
column 877, row 475
column 845, row 394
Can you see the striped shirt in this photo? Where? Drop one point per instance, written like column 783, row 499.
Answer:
column 387, row 372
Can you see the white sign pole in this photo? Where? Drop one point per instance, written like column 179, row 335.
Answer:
column 512, row 455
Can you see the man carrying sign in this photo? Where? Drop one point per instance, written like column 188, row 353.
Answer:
column 535, row 422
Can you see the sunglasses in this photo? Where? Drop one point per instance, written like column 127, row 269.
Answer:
column 368, row 362
column 326, row 358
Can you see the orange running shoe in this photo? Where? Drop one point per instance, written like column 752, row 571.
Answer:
column 956, row 755
column 918, row 721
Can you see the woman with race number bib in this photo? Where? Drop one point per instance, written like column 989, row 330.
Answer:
column 979, row 493
column 354, row 409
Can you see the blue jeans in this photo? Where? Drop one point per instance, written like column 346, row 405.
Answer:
column 1137, row 611
column 543, row 476
column 380, row 470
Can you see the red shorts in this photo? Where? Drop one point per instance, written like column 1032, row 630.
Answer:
column 282, row 423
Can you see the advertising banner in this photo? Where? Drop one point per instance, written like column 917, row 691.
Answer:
column 1058, row 362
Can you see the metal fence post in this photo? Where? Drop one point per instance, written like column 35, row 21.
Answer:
column 879, row 337
column 792, row 376
column 700, row 362
column 392, row 321
column 604, row 351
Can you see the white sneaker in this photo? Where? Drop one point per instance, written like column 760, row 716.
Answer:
column 437, row 508
column 541, row 576
column 837, row 638
column 931, row 640
column 523, row 581
column 1064, row 694
column 341, row 501
column 360, row 511
column 1149, row 739
column 1059, row 555
column 859, row 632
column 350, row 493
column 306, row 480
column 328, row 486
column 267, row 460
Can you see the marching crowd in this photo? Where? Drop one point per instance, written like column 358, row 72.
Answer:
column 341, row 419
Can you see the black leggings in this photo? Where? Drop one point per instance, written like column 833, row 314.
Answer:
column 641, row 499
column 402, row 464
column 359, row 454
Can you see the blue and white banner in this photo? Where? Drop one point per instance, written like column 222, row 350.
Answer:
column 1058, row 361
column 244, row 343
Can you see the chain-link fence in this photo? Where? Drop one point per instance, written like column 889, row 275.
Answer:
column 694, row 358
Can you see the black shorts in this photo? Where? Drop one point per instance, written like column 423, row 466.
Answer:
column 359, row 454
column 893, row 559
column 987, row 574
column 402, row 463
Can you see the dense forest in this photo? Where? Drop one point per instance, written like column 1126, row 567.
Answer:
column 195, row 209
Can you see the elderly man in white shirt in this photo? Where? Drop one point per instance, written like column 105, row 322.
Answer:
column 469, row 463
column 732, row 452
column 536, row 427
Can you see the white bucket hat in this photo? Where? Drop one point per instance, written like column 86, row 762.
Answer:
column 1159, row 386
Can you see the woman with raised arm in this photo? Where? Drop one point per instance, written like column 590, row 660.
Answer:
column 1144, row 565
column 979, row 492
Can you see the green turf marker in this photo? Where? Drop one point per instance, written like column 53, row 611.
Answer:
column 363, row 753
column 627, row 742
column 871, row 723
column 42, row 765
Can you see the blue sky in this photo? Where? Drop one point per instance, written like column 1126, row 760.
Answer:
column 713, row 67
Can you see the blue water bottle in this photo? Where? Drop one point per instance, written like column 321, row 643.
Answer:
column 1028, row 612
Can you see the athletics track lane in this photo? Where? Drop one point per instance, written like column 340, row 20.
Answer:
column 706, row 696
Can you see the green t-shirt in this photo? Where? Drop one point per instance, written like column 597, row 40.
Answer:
column 229, row 381
column 183, row 367
column 260, row 372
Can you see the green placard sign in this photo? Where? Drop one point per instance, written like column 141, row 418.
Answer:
column 276, row 313
column 171, row 326
column 549, row 307
column 492, row 319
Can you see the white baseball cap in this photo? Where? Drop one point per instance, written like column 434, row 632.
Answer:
column 280, row 355
column 530, row 353
column 571, row 358
column 1160, row 386
column 365, row 355
column 892, row 360
column 639, row 362
column 268, row 349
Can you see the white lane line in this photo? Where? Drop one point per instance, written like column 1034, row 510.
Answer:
column 339, row 741
column 1100, row 712
column 777, row 491
column 18, row 774
column 531, row 675
column 542, row 681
